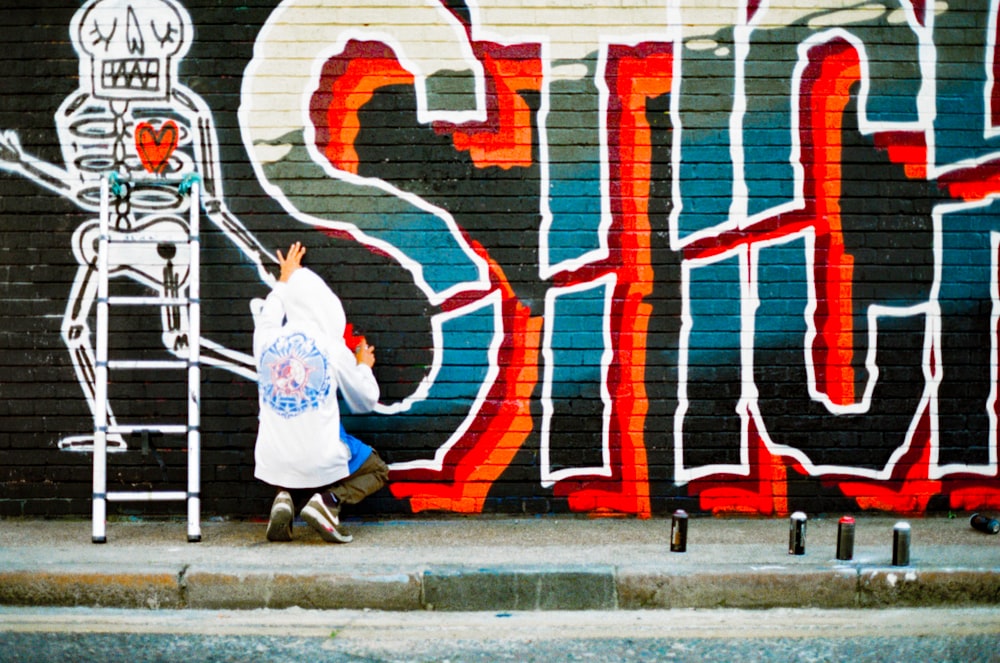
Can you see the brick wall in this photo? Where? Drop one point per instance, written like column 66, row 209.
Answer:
column 618, row 259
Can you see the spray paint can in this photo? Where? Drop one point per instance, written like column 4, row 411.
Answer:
column 901, row 544
column 797, row 534
column 679, row 531
column 984, row 523
column 845, row 538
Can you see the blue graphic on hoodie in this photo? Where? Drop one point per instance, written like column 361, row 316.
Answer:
column 294, row 375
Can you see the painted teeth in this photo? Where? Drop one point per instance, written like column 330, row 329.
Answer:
column 131, row 74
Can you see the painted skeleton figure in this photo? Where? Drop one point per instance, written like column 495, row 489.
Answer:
column 130, row 118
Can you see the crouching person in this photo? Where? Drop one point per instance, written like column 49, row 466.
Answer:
column 302, row 362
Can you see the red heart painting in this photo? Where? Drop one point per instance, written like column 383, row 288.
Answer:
column 155, row 147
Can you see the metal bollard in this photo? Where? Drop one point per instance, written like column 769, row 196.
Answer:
column 845, row 538
column 679, row 531
column 797, row 534
column 901, row 544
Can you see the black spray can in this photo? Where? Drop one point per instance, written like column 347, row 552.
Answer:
column 797, row 534
column 679, row 531
column 984, row 523
column 901, row 544
column 845, row 538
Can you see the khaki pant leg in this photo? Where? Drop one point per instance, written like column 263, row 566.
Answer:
column 370, row 477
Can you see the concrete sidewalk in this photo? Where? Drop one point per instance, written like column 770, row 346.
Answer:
column 496, row 564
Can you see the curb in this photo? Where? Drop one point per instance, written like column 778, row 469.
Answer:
column 222, row 591
column 125, row 590
column 520, row 589
column 507, row 589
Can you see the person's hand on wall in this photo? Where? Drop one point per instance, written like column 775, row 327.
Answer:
column 365, row 354
column 291, row 262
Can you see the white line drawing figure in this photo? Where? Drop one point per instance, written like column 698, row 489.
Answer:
column 131, row 119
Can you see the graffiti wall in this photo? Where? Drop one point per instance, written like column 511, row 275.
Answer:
column 618, row 258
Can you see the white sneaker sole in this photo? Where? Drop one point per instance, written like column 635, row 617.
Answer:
column 279, row 526
column 321, row 524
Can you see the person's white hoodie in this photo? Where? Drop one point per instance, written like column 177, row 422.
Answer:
column 302, row 362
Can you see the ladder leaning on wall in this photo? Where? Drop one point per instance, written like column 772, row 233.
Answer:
column 189, row 299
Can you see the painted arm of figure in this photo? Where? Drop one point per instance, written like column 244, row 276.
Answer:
column 212, row 197
column 240, row 363
column 14, row 159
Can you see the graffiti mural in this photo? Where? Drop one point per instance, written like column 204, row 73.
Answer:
column 633, row 255
column 132, row 118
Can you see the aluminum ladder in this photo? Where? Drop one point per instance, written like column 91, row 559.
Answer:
column 192, row 364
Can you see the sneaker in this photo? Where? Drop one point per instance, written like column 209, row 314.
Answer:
column 279, row 526
column 324, row 519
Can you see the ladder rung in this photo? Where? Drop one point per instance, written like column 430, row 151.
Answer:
column 150, row 301
column 147, row 363
column 147, row 496
column 168, row 429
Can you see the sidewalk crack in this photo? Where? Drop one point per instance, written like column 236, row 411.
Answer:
column 182, row 584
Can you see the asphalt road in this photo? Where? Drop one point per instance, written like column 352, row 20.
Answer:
column 84, row 634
